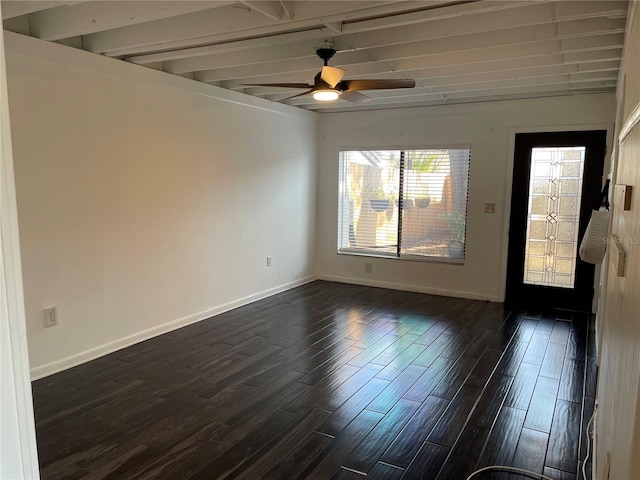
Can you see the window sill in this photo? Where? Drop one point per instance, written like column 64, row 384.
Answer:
column 406, row 258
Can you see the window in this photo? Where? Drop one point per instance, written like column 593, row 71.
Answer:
column 404, row 203
column 555, row 186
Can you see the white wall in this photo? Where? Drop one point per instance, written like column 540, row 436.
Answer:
column 148, row 201
column 618, row 395
column 490, row 129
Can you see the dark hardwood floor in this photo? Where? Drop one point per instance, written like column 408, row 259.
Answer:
column 330, row 381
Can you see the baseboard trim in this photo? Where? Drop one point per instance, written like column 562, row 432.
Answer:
column 102, row 350
column 410, row 288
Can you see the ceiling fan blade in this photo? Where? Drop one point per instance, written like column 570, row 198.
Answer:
column 284, row 85
column 298, row 95
column 355, row 97
column 378, row 84
column 332, row 75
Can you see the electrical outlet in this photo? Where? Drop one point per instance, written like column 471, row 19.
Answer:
column 489, row 208
column 368, row 267
column 50, row 316
column 268, row 261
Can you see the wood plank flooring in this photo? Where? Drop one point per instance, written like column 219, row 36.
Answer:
column 330, row 381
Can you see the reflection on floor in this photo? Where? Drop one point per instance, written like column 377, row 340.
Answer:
column 330, row 381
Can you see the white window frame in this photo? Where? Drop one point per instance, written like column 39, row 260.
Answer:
column 343, row 213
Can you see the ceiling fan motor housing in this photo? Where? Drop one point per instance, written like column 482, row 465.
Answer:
column 320, row 84
column 325, row 54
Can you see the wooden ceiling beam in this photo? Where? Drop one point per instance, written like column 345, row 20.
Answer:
column 390, row 36
column 405, row 57
column 473, row 75
column 17, row 8
column 320, row 33
column 478, row 94
column 257, row 56
column 468, row 18
column 453, row 71
column 488, row 96
column 269, row 9
column 500, row 58
column 90, row 17
column 457, row 51
column 480, row 85
column 286, row 9
column 228, row 24
column 238, row 46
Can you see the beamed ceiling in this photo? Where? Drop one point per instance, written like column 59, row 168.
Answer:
column 465, row 51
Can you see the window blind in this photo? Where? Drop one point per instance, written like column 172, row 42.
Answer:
column 403, row 203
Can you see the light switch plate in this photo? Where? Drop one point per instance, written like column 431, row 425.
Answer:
column 489, row 208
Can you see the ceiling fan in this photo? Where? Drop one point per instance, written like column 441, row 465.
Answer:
column 328, row 84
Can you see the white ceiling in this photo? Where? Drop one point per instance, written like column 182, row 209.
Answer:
column 465, row 51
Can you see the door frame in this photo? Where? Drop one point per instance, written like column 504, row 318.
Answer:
column 19, row 455
column 508, row 183
column 518, row 291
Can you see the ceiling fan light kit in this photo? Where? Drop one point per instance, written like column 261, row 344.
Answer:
column 328, row 85
column 326, row 95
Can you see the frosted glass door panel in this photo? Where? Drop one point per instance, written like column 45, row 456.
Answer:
column 553, row 214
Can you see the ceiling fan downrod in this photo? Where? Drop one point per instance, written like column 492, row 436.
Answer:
column 326, row 54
